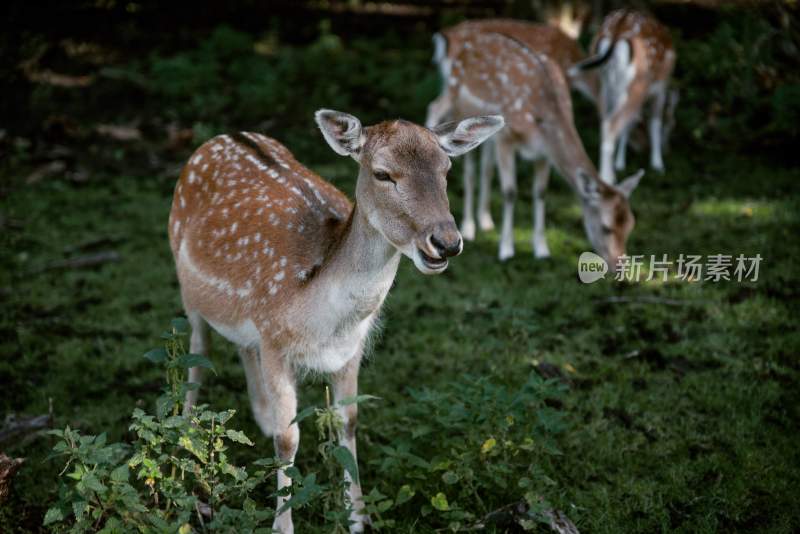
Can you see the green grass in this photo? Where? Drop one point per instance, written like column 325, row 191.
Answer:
column 677, row 417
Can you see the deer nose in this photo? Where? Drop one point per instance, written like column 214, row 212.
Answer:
column 446, row 240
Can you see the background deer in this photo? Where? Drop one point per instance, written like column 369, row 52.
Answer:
column 637, row 58
column 541, row 38
column 496, row 74
column 278, row 261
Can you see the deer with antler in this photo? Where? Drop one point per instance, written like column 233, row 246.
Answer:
column 541, row 38
column 496, row 74
column 278, row 261
column 636, row 59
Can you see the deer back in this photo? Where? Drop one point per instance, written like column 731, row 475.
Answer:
column 650, row 41
column 250, row 227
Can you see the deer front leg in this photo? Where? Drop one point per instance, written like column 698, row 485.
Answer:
column 485, row 222
column 467, row 218
column 622, row 148
column 541, row 177
column 278, row 381
column 508, row 182
column 656, row 129
column 608, row 140
column 345, row 384
column 199, row 343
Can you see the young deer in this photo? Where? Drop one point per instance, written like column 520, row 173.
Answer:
column 542, row 38
column 278, row 261
column 637, row 59
column 496, row 74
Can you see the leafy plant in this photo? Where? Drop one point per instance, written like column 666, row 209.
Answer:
column 176, row 475
column 505, row 436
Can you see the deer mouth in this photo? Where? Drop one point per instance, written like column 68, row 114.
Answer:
column 434, row 264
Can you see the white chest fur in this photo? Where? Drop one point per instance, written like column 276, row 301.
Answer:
column 340, row 320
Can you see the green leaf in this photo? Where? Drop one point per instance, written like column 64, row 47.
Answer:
column 181, row 325
column 405, row 493
column 78, row 507
column 293, row 473
column 450, row 477
column 195, row 446
column 345, row 457
column 195, row 360
column 384, row 505
column 53, row 514
column 488, row 445
column 120, row 474
column 238, row 436
column 91, row 482
column 356, row 399
column 439, row 501
column 304, row 414
column 156, row 355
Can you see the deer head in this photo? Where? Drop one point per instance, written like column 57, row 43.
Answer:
column 607, row 214
column 402, row 180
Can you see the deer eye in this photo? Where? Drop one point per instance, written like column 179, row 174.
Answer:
column 383, row 176
column 607, row 229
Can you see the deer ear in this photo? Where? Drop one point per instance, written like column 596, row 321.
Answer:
column 341, row 130
column 457, row 138
column 589, row 188
column 629, row 184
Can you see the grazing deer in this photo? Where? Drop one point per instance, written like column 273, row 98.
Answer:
column 637, row 59
column 496, row 74
column 278, row 261
column 542, row 38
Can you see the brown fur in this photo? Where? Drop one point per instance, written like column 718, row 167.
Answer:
column 531, row 92
column 541, row 38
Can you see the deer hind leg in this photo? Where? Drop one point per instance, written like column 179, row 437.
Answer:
column 656, row 129
column 541, row 177
column 485, row 222
column 262, row 413
column 278, row 381
column 468, row 219
column 345, row 384
column 508, row 183
column 199, row 343
column 615, row 124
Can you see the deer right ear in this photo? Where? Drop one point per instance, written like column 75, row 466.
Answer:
column 341, row 130
column 458, row 138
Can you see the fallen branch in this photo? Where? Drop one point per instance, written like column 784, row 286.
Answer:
column 14, row 428
column 515, row 513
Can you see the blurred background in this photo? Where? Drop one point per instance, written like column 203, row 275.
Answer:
column 186, row 70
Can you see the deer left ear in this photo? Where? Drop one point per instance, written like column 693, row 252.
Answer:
column 457, row 138
column 629, row 184
column 342, row 131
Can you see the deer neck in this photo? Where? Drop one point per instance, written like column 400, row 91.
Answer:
column 569, row 157
column 360, row 269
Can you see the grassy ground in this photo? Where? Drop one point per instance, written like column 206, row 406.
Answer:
column 671, row 406
column 679, row 415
